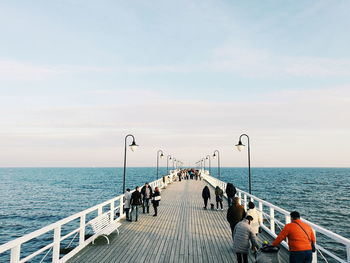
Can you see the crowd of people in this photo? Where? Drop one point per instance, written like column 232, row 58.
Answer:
column 246, row 226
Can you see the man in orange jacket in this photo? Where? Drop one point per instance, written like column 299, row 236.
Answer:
column 300, row 235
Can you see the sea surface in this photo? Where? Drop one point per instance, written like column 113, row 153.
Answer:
column 32, row 198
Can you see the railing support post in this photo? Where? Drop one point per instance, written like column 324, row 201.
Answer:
column 56, row 245
column 82, row 230
column 314, row 255
column 112, row 212
column 272, row 220
column 261, row 212
column 240, row 197
column 245, row 202
column 15, row 254
column 348, row 253
column 121, row 206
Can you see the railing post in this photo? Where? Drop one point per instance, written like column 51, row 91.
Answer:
column 245, row 202
column 56, row 244
column 240, row 197
column 82, row 230
column 314, row 255
column 261, row 212
column 99, row 210
column 121, row 205
column 287, row 217
column 348, row 253
column 15, row 254
column 272, row 220
column 112, row 212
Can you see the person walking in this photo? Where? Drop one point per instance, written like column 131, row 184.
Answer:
column 242, row 235
column 230, row 192
column 135, row 202
column 127, row 198
column 301, row 239
column 235, row 213
column 206, row 195
column 155, row 200
column 219, row 195
column 146, row 192
column 257, row 218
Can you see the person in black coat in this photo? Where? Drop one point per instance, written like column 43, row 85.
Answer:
column 135, row 202
column 230, row 192
column 206, row 195
column 146, row 192
column 155, row 200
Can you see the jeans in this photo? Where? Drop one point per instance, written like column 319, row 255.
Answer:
column 300, row 256
column 233, row 225
column 242, row 258
column 205, row 202
column 217, row 204
column 145, row 204
column 136, row 209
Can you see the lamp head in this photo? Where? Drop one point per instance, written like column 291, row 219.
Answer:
column 240, row 145
column 161, row 155
column 214, row 156
column 133, row 146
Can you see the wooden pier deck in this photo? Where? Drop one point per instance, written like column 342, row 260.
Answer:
column 182, row 232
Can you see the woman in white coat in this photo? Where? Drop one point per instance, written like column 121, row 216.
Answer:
column 257, row 218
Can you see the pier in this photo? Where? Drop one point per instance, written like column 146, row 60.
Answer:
column 182, row 232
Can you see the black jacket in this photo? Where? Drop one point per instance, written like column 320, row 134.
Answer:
column 206, row 192
column 230, row 190
column 143, row 192
column 136, row 198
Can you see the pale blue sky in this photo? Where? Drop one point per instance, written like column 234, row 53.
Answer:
column 186, row 76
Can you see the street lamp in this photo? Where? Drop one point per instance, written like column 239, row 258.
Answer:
column 133, row 146
column 208, row 158
column 174, row 161
column 161, row 156
column 240, row 147
column 203, row 160
column 167, row 163
column 214, row 157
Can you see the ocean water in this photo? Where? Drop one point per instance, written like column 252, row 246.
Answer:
column 32, row 198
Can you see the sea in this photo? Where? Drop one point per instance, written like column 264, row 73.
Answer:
column 32, row 198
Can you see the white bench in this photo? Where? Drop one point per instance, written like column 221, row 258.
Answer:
column 102, row 226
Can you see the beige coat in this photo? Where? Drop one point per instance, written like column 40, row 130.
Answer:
column 257, row 219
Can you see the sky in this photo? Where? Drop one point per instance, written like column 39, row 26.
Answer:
column 187, row 77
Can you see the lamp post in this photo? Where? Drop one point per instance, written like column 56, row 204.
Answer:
column 203, row 160
column 214, row 157
column 240, row 147
column 208, row 158
column 167, row 163
column 174, row 161
column 161, row 156
column 133, row 147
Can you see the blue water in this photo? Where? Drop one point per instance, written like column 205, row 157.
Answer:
column 32, row 198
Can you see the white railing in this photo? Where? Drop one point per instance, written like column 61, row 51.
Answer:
column 270, row 215
column 112, row 206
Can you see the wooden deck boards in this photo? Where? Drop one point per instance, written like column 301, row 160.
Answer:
column 182, row 232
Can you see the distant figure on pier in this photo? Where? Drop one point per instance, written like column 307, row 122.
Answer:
column 206, row 195
column 179, row 174
column 155, row 200
column 135, row 202
column 235, row 213
column 230, row 192
column 301, row 239
column 241, row 237
column 146, row 192
column 257, row 218
column 127, row 198
column 219, row 195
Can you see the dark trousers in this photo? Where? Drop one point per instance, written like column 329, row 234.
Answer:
column 217, row 204
column 232, row 225
column 242, row 258
column 155, row 207
column 127, row 212
column 230, row 201
column 300, row 256
column 205, row 202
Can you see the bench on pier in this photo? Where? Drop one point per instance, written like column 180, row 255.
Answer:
column 102, row 226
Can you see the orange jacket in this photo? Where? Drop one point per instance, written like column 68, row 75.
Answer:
column 297, row 238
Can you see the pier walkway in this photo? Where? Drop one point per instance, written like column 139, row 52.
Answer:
column 182, row 232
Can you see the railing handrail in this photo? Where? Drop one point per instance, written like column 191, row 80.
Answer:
column 19, row 241
column 336, row 237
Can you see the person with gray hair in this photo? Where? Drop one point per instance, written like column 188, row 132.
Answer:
column 242, row 237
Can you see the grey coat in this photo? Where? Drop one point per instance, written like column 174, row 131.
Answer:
column 241, row 236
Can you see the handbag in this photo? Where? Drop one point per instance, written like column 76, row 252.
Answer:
column 157, row 198
column 313, row 248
